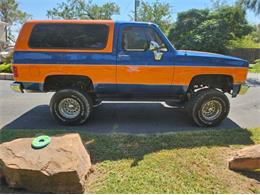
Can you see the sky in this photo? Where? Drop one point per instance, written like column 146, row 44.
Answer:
column 38, row 8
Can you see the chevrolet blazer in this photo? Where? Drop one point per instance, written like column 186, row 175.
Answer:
column 86, row 62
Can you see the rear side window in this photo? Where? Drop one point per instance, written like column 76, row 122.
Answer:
column 69, row 36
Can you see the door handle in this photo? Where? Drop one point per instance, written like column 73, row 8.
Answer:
column 123, row 55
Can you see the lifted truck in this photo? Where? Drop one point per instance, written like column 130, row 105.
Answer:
column 86, row 62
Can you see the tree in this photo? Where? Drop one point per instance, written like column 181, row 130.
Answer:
column 254, row 5
column 207, row 30
column 251, row 40
column 11, row 14
column 81, row 9
column 157, row 12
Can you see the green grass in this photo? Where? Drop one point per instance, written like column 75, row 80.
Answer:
column 185, row 162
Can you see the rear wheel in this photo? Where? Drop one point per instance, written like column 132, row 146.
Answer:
column 71, row 106
column 208, row 107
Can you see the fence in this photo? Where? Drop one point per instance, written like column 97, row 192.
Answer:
column 250, row 54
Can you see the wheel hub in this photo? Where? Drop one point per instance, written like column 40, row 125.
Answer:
column 69, row 108
column 211, row 110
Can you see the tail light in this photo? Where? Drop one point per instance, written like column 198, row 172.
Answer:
column 15, row 71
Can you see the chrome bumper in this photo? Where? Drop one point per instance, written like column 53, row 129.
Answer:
column 243, row 89
column 17, row 87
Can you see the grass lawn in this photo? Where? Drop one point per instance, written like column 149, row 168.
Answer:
column 254, row 68
column 185, row 162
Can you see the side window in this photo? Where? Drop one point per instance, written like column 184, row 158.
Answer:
column 139, row 38
column 153, row 36
column 69, row 36
column 135, row 39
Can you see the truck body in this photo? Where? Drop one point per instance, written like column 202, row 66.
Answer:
column 107, row 60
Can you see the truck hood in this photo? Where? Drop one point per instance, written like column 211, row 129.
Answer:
column 187, row 57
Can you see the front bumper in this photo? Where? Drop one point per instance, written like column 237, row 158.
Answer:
column 17, row 87
column 243, row 89
column 240, row 89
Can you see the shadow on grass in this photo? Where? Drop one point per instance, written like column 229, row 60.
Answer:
column 104, row 133
column 116, row 146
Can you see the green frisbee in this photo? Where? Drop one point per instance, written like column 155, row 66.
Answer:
column 41, row 141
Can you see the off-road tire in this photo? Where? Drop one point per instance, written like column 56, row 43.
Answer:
column 84, row 102
column 195, row 107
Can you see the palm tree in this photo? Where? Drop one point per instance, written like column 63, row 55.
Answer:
column 252, row 4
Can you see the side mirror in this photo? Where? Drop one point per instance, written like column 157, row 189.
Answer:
column 155, row 47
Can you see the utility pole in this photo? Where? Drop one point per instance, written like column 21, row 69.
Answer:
column 137, row 3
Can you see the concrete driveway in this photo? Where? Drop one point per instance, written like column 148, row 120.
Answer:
column 31, row 111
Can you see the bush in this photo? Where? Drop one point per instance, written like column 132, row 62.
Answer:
column 5, row 68
column 257, row 62
column 255, row 67
column 244, row 42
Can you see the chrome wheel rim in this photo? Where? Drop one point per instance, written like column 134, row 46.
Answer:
column 69, row 108
column 211, row 110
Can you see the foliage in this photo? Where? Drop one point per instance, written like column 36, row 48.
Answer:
column 257, row 62
column 156, row 12
column 5, row 68
column 255, row 68
column 251, row 40
column 183, row 162
column 81, row 9
column 244, row 42
column 11, row 14
column 256, row 34
column 8, row 59
column 208, row 30
column 253, row 5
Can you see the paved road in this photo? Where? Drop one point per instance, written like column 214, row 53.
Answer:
column 31, row 111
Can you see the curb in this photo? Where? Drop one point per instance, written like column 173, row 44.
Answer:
column 6, row 76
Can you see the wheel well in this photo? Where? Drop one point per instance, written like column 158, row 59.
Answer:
column 222, row 82
column 57, row 82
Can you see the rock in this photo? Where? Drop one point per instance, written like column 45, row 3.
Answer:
column 247, row 159
column 61, row 167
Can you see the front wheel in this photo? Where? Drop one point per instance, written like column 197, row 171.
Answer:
column 208, row 107
column 71, row 106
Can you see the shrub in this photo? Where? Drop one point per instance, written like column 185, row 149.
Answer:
column 255, row 67
column 5, row 68
column 244, row 42
column 257, row 62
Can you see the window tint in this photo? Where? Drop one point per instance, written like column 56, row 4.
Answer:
column 134, row 39
column 69, row 36
column 153, row 36
column 139, row 38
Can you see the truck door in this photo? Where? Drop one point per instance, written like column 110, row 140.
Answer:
column 138, row 72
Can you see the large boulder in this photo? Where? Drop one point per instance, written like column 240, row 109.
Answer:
column 61, row 167
column 247, row 159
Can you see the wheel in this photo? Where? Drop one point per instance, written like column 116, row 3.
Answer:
column 71, row 106
column 208, row 107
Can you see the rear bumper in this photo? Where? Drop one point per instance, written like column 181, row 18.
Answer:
column 17, row 87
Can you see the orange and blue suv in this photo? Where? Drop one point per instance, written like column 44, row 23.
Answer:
column 86, row 62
